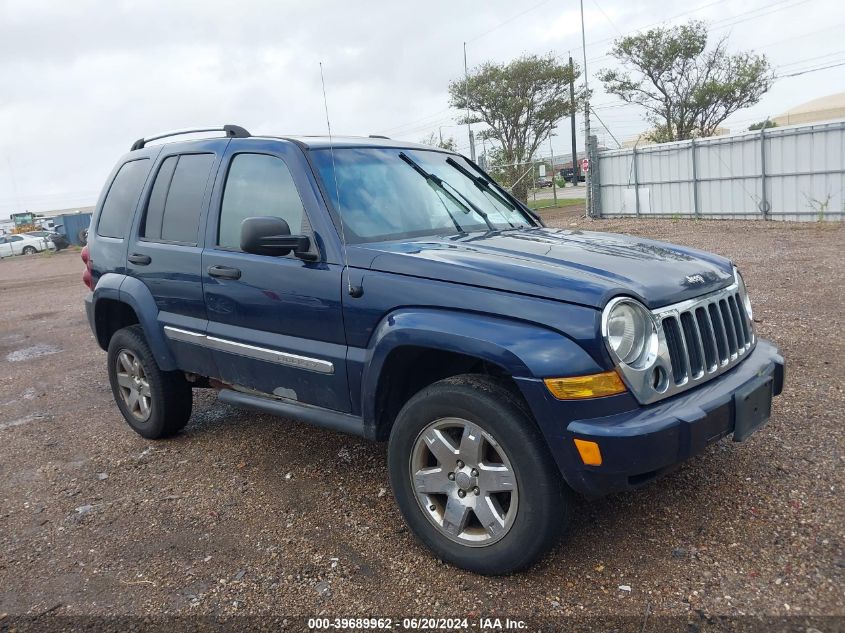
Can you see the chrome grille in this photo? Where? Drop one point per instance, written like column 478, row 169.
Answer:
column 705, row 336
column 697, row 340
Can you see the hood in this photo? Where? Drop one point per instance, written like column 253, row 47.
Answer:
column 576, row 266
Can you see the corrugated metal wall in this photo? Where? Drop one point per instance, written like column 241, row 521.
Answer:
column 72, row 224
column 790, row 173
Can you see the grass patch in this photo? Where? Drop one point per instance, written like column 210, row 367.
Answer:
column 561, row 202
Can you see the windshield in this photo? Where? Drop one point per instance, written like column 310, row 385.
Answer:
column 385, row 196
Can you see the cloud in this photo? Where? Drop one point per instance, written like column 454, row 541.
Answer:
column 81, row 80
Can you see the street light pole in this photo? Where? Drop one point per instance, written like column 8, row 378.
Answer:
column 575, row 168
column 586, row 112
column 469, row 125
column 554, row 183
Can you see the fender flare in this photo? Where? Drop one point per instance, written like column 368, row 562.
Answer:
column 108, row 287
column 520, row 348
column 136, row 295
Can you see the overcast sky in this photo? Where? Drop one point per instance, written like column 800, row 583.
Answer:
column 82, row 79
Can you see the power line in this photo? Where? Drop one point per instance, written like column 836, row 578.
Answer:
column 803, row 35
column 509, row 20
column 729, row 21
column 669, row 19
column 766, row 9
column 812, row 58
column 810, row 70
column 430, row 125
column 607, row 129
column 726, row 22
column 717, row 24
column 422, row 118
column 595, row 42
column 606, row 17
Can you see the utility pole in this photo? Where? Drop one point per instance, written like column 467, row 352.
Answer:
column 575, row 169
column 552, row 150
column 586, row 112
column 469, row 125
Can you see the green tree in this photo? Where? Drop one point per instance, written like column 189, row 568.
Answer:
column 436, row 140
column 762, row 125
column 686, row 88
column 519, row 102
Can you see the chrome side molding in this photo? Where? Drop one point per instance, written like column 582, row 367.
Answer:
column 250, row 351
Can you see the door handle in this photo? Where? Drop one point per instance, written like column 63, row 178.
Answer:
column 140, row 260
column 224, row 272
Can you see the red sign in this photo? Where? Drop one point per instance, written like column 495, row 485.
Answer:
column 585, row 164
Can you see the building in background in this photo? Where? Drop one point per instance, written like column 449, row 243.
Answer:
column 822, row 109
column 564, row 161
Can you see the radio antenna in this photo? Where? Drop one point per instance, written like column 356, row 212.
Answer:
column 353, row 291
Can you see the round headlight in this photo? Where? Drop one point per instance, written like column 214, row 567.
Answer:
column 629, row 330
column 743, row 292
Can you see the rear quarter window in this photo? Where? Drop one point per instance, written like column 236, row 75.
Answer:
column 122, row 197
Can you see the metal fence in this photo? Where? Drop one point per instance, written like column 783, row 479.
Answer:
column 790, row 173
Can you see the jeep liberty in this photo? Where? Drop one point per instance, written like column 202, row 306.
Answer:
column 396, row 292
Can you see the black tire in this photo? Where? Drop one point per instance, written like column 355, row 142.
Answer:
column 82, row 236
column 29, row 250
column 544, row 505
column 169, row 395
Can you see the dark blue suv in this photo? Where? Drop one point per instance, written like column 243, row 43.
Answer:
column 396, row 292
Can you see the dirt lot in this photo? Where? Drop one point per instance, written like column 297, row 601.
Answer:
column 244, row 513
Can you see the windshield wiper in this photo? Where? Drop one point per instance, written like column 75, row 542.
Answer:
column 434, row 184
column 464, row 203
column 520, row 206
column 481, row 183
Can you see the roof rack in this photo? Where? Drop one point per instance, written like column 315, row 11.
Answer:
column 379, row 136
column 232, row 131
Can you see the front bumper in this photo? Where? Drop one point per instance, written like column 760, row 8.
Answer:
column 642, row 443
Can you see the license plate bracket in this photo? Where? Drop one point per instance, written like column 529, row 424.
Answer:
column 752, row 407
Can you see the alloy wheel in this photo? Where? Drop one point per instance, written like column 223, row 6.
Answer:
column 133, row 385
column 464, row 482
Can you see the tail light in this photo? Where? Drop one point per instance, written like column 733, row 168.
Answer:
column 87, row 277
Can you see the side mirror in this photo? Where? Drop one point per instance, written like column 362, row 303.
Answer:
column 271, row 236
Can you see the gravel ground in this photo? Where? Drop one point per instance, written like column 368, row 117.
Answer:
column 244, row 513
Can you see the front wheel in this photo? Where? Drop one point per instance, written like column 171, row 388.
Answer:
column 473, row 477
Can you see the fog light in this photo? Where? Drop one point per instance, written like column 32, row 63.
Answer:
column 607, row 383
column 589, row 451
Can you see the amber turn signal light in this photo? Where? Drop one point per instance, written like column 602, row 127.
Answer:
column 589, row 452
column 607, row 383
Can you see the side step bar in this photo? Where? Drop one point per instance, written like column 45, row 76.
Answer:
column 318, row 416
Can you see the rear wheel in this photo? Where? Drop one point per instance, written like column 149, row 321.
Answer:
column 29, row 250
column 153, row 402
column 473, row 477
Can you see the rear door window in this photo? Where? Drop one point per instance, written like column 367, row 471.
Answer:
column 122, row 197
column 175, row 205
column 151, row 229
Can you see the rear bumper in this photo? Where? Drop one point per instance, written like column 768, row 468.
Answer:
column 89, row 312
column 643, row 443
